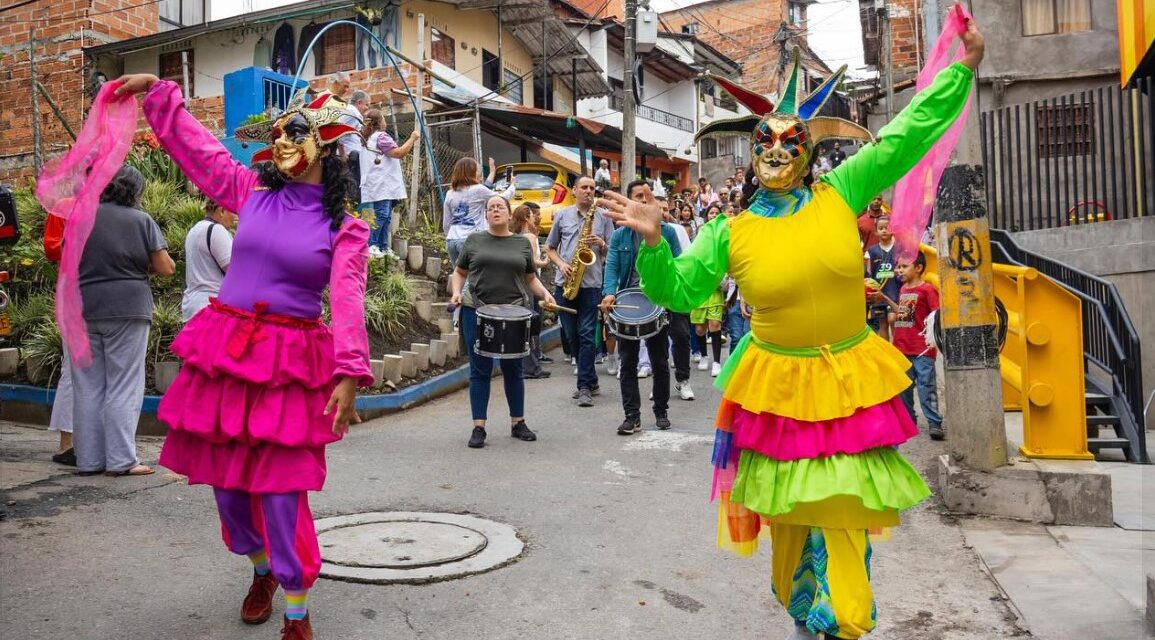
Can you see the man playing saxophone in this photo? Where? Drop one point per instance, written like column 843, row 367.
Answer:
column 583, row 227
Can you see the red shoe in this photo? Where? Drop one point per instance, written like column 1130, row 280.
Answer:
column 297, row 629
column 258, row 605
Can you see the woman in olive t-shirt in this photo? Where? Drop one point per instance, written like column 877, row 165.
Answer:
column 500, row 269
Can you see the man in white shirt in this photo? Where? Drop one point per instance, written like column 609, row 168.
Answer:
column 208, row 249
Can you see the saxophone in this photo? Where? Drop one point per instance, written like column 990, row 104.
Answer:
column 582, row 258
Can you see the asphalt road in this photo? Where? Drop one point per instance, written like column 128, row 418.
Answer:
column 619, row 532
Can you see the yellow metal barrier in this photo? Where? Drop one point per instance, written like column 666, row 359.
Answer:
column 1042, row 360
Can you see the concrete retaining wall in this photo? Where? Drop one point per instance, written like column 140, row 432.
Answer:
column 1122, row 251
column 33, row 405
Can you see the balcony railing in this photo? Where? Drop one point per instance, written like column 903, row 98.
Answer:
column 655, row 115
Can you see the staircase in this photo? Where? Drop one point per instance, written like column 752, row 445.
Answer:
column 1111, row 355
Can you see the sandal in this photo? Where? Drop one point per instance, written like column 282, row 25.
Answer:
column 66, row 457
column 94, row 472
column 138, row 470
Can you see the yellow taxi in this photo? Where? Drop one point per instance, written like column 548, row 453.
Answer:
column 548, row 185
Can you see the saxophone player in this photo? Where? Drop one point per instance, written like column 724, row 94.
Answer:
column 582, row 225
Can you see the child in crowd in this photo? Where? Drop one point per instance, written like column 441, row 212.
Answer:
column 880, row 268
column 707, row 319
column 917, row 299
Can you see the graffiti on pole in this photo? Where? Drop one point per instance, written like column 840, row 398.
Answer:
column 966, row 279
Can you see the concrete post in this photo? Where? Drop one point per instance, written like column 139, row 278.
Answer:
column 391, row 368
column 416, row 256
column 438, row 349
column 976, row 432
column 422, row 351
column 408, row 364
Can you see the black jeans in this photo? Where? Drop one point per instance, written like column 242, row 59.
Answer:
column 679, row 329
column 631, row 397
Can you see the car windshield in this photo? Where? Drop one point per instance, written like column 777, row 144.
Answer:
column 528, row 180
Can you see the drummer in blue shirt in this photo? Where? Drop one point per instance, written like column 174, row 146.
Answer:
column 620, row 274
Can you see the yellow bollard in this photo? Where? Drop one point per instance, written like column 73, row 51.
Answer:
column 1041, row 361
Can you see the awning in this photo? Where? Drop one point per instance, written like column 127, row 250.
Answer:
column 562, row 129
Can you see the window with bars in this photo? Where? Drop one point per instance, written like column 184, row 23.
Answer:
column 172, row 68
column 513, row 86
column 709, row 148
column 337, row 50
column 442, row 48
column 1065, row 130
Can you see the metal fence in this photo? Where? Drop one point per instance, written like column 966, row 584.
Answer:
column 1084, row 157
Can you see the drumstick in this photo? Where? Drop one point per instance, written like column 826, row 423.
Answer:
column 556, row 307
column 624, row 306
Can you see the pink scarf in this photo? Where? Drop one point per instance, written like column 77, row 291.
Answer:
column 70, row 187
column 914, row 195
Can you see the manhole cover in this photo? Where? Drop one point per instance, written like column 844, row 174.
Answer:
column 400, row 544
column 412, row 547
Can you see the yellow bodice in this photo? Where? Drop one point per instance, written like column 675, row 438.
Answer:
column 802, row 274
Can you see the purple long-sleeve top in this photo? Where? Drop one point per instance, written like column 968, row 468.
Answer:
column 285, row 251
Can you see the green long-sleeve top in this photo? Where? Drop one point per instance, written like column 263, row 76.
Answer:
column 684, row 283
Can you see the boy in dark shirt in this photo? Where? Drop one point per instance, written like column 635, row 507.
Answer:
column 917, row 299
column 880, row 267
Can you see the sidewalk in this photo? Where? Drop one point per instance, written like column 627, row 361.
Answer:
column 1073, row 583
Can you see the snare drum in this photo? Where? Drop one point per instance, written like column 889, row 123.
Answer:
column 502, row 331
column 635, row 317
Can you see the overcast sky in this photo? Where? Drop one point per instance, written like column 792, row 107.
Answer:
column 835, row 36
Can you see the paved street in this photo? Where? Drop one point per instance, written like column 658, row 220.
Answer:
column 619, row 533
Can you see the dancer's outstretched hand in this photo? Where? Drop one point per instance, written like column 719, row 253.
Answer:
column 135, row 83
column 975, row 45
column 645, row 217
column 343, row 399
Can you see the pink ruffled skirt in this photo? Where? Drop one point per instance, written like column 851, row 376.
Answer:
column 246, row 411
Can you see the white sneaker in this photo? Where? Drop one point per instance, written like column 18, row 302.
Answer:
column 684, row 390
column 695, row 357
column 573, row 361
column 374, row 252
column 715, row 369
column 575, row 371
column 612, row 365
column 644, row 372
column 704, row 364
column 388, row 253
column 651, row 395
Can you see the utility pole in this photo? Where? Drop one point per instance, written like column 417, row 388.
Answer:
column 629, row 131
column 887, row 43
column 415, row 175
column 37, row 160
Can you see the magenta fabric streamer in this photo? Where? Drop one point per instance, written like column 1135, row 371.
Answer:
column 70, row 187
column 914, row 195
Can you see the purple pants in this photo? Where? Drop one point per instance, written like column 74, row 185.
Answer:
column 279, row 523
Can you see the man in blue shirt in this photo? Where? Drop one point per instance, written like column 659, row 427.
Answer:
column 621, row 274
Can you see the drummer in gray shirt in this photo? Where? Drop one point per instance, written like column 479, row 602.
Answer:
column 621, row 274
column 499, row 266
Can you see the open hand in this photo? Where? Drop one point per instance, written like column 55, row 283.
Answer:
column 343, row 399
column 643, row 217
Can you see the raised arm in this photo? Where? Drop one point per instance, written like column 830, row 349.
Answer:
column 683, row 283
column 907, row 138
column 904, row 140
column 197, row 152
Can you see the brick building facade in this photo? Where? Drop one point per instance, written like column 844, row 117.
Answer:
column 59, row 31
column 743, row 30
column 906, row 36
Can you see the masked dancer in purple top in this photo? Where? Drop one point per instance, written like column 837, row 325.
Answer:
column 266, row 385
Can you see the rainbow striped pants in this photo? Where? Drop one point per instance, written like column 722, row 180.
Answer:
column 822, row 577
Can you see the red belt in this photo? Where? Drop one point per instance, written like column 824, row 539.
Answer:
column 250, row 332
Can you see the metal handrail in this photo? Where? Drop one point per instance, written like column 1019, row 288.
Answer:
column 1109, row 337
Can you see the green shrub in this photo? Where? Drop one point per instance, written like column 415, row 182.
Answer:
column 157, row 167
column 166, row 323
column 30, row 312
column 43, row 345
column 161, row 198
column 386, row 314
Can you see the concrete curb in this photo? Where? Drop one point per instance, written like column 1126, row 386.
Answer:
column 33, row 405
